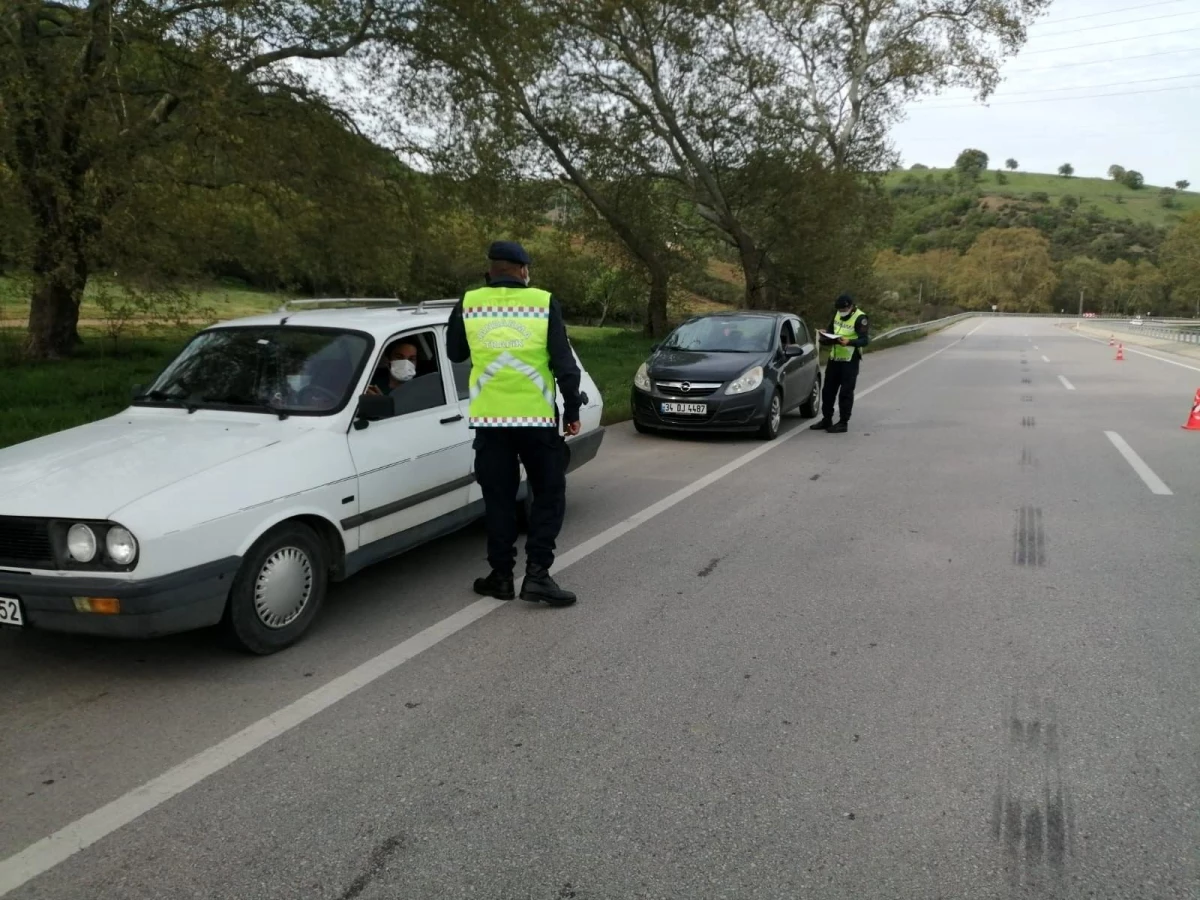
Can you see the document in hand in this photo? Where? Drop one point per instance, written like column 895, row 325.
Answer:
column 826, row 334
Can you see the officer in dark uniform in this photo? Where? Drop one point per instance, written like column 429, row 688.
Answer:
column 516, row 339
column 850, row 335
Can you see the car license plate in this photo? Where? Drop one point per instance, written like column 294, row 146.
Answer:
column 10, row 612
column 685, row 409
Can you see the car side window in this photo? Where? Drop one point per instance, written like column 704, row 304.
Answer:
column 462, row 378
column 786, row 334
column 420, row 386
column 801, row 332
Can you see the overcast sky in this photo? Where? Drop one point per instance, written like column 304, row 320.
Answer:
column 1145, row 53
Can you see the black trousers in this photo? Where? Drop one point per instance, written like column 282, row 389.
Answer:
column 543, row 452
column 840, row 378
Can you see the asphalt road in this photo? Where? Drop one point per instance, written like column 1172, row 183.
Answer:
column 954, row 653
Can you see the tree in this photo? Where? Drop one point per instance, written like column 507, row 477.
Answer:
column 1011, row 163
column 1133, row 179
column 1183, row 184
column 1082, row 274
column 92, row 90
column 1116, row 173
column 1001, row 177
column 971, row 164
column 1166, row 197
column 1066, row 170
column 1009, row 268
column 1068, row 201
column 1180, row 259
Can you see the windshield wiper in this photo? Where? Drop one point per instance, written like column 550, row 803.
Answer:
column 188, row 403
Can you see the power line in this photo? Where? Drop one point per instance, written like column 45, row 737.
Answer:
column 1132, row 37
column 1088, row 87
column 1113, row 12
column 1106, row 62
column 1186, row 87
column 1115, row 24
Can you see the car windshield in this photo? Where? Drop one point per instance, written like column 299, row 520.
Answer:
column 723, row 334
column 278, row 369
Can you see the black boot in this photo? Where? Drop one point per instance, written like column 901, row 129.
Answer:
column 498, row 585
column 823, row 425
column 840, row 427
column 539, row 586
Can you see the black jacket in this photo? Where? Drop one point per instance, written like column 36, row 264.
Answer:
column 562, row 360
column 861, row 331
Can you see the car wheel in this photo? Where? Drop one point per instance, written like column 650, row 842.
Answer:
column 810, row 407
column 770, row 428
column 278, row 590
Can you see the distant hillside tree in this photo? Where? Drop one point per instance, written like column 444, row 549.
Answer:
column 1183, row 184
column 971, row 164
column 1001, row 178
column 1066, row 170
column 1115, row 172
column 1133, row 180
column 1011, row 163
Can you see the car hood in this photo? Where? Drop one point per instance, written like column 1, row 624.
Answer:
column 92, row 471
column 696, row 365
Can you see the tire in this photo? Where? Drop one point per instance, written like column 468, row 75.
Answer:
column 770, row 428
column 267, row 622
column 811, row 407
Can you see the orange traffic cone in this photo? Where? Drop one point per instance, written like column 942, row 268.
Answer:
column 1120, row 353
column 1111, row 342
column 1193, row 422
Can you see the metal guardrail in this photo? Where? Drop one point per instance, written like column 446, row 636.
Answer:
column 1164, row 331
column 931, row 325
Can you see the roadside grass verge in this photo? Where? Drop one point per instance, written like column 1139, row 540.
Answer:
column 43, row 398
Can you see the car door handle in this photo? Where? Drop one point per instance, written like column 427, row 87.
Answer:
column 457, row 418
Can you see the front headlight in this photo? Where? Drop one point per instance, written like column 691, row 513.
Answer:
column 81, row 543
column 747, row 381
column 642, row 379
column 121, row 545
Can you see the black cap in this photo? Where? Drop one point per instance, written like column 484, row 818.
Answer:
column 508, row 251
column 845, row 301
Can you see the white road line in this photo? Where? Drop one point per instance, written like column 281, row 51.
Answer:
column 1045, row 358
column 1173, row 362
column 1156, row 484
column 47, row 853
column 975, row 329
column 1066, row 384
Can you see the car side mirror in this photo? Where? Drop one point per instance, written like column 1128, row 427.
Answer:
column 791, row 351
column 372, row 408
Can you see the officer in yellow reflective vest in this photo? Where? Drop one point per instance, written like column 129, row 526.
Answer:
column 850, row 335
column 516, row 339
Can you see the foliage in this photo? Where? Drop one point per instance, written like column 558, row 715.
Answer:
column 1066, row 170
column 1009, row 268
column 1180, row 255
column 1133, row 179
column 1012, row 164
column 1116, row 172
column 971, row 164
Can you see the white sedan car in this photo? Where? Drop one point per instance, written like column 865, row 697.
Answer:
column 257, row 467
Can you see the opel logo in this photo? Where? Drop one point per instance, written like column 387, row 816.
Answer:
column 685, row 387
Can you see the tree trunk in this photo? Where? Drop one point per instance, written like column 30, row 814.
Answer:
column 762, row 289
column 60, row 274
column 656, row 306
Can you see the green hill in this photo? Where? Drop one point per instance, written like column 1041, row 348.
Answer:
column 1111, row 199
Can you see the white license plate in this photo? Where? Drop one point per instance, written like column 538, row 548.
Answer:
column 685, row 409
column 10, row 612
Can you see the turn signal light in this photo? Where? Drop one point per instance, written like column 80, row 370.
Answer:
column 108, row 606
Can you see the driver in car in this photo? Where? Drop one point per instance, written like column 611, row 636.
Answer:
column 401, row 368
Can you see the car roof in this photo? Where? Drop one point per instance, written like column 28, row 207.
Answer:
column 742, row 314
column 379, row 318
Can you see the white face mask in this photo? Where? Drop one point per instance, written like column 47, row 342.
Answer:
column 402, row 369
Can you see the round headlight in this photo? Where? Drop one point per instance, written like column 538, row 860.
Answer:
column 121, row 546
column 81, row 543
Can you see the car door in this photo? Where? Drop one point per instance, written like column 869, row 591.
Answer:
column 809, row 364
column 790, row 368
column 413, row 467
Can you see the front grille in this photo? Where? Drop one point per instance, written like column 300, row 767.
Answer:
column 693, row 389
column 26, row 543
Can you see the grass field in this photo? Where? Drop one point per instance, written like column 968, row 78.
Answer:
column 1100, row 193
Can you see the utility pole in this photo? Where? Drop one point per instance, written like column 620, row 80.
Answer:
column 1081, row 303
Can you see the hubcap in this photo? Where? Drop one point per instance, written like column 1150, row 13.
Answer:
column 776, row 415
column 283, row 587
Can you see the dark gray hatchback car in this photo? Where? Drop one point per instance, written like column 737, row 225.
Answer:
column 729, row 372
